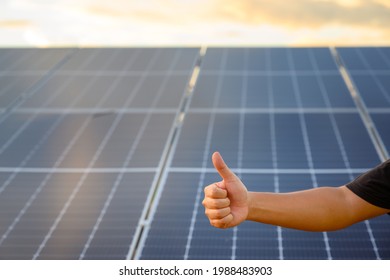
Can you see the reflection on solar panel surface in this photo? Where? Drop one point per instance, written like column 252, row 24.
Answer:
column 104, row 152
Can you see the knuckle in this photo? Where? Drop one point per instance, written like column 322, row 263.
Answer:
column 222, row 213
column 216, row 223
column 211, row 191
column 218, row 215
column 208, row 202
column 222, row 224
column 214, row 191
column 218, row 220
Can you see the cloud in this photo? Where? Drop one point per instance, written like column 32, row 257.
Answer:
column 15, row 23
column 276, row 21
column 304, row 13
column 163, row 12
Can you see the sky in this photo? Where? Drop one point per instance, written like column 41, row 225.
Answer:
column 45, row 23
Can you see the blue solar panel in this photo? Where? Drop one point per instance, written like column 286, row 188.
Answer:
column 104, row 152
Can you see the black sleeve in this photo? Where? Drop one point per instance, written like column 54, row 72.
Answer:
column 374, row 185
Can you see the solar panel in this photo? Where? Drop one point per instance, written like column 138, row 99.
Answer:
column 104, row 152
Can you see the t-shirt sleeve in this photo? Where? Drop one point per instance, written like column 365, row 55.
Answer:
column 374, row 185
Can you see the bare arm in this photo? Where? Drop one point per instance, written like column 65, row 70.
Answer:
column 228, row 203
column 320, row 209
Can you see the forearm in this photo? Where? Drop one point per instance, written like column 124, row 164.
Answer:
column 320, row 209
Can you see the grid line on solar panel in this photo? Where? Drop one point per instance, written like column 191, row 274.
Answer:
column 240, row 148
column 97, row 111
column 78, row 170
column 379, row 111
column 271, row 110
column 274, row 170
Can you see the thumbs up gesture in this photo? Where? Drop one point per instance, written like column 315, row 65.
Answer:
column 226, row 201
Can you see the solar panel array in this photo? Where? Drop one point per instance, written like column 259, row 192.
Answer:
column 104, row 153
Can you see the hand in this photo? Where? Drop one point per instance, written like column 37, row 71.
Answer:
column 225, row 202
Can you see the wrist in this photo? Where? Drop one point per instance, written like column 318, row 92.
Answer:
column 251, row 206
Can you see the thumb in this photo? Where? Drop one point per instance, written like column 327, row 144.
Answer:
column 222, row 168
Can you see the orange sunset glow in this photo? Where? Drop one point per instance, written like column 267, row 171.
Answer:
column 194, row 22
